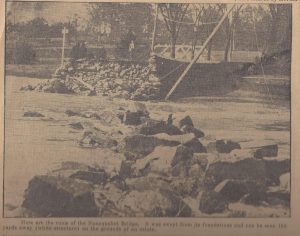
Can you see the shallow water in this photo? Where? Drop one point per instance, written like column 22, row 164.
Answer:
column 33, row 145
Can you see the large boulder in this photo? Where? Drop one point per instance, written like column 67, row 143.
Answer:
column 188, row 186
column 266, row 151
column 94, row 177
column 243, row 169
column 151, row 127
column 140, row 108
column 161, row 203
column 132, row 118
column 150, row 182
column 186, row 121
column 58, row 87
column 234, row 190
column 182, row 154
column 212, row 202
column 186, row 126
column 159, row 161
column 97, row 138
column 223, row 146
column 195, row 145
column 141, row 145
column 189, row 129
column 275, row 168
column 60, row 197
column 165, row 161
column 273, row 198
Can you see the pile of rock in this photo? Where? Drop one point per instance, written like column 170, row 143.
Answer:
column 156, row 170
column 88, row 77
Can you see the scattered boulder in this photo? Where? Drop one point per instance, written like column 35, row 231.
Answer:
column 27, row 88
column 245, row 169
column 186, row 121
column 200, row 159
column 91, row 176
column 132, row 118
column 212, row 202
column 162, row 203
column 227, row 147
column 126, row 169
column 275, row 168
column 56, row 86
column 97, row 138
column 77, row 126
column 186, row 186
column 149, row 182
column 141, row 145
column 269, row 198
column 234, row 190
column 182, row 154
column 159, row 161
column 140, row 108
column 190, row 129
column 152, row 127
column 72, row 113
column 33, row 114
column 59, row 197
column 195, row 145
column 266, row 151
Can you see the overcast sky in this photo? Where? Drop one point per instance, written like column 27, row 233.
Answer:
column 51, row 11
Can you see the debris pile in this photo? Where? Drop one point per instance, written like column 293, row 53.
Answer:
column 161, row 170
column 88, row 77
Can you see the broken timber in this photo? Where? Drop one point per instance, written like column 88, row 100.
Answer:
column 195, row 59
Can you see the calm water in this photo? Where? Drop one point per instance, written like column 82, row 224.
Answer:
column 33, row 145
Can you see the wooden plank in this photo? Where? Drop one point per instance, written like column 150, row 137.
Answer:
column 84, row 83
column 195, row 59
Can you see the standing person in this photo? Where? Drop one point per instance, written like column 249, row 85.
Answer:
column 130, row 41
column 130, row 49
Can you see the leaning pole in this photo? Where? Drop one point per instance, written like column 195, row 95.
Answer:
column 195, row 59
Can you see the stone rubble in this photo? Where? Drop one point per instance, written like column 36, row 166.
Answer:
column 153, row 170
column 126, row 80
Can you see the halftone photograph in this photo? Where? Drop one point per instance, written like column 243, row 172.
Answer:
column 147, row 110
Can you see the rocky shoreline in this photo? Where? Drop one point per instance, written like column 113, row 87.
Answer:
column 159, row 169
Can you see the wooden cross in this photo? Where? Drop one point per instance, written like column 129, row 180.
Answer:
column 64, row 32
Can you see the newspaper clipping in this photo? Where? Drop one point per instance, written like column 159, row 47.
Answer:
column 150, row 118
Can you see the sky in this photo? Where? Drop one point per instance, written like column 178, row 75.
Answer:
column 50, row 11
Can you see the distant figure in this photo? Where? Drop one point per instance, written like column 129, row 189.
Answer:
column 170, row 119
column 130, row 42
column 130, row 49
column 82, row 50
column 130, row 37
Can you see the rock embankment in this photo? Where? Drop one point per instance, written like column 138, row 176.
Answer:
column 115, row 79
column 159, row 169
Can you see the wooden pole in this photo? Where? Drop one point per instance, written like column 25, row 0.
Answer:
column 200, row 52
column 154, row 29
column 64, row 31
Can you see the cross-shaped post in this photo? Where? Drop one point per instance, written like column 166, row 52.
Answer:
column 64, row 32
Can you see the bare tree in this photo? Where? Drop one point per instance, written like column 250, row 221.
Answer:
column 281, row 28
column 173, row 15
column 230, row 24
